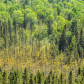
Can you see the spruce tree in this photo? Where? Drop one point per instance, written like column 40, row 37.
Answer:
column 48, row 79
column 56, row 79
column 31, row 80
column 11, row 77
column 25, row 76
column 0, row 75
column 4, row 77
column 38, row 77
column 70, row 77
column 79, row 71
column 53, row 79
column 61, row 78
column 16, row 77
column 35, row 79
column 45, row 82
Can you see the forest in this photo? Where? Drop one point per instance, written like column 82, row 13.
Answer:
column 41, row 41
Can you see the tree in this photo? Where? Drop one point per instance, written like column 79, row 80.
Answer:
column 81, row 39
column 4, row 77
column 0, row 75
column 40, row 14
column 79, row 71
column 61, row 78
column 11, row 77
column 50, row 20
column 27, row 2
column 63, row 41
column 31, row 17
column 25, row 76
column 70, row 77
column 16, row 77
column 6, row 1
column 11, row 40
column 74, row 27
column 38, row 77
column 50, row 1
column 58, row 9
column 31, row 80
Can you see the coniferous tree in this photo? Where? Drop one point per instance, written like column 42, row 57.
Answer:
column 11, row 77
column 0, row 75
column 56, row 79
column 25, row 76
column 48, row 79
column 38, row 77
column 10, row 32
column 31, row 80
column 70, row 77
column 4, row 77
column 53, row 79
column 16, row 77
column 6, row 1
column 61, row 78
column 62, row 41
column 81, row 39
column 35, row 79
column 73, row 28
column 79, row 71
column 50, row 20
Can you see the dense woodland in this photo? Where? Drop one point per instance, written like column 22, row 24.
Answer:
column 46, row 37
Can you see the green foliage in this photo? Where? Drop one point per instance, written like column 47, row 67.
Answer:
column 17, row 15
column 54, row 25
column 31, row 17
column 0, row 75
column 38, row 77
column 50, row 18
column 40, row 14
column 25, row 76
column 70, row 77
column 79, row 71
column 4, row 77
column 31, row 78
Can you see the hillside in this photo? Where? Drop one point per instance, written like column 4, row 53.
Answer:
column 44, row 35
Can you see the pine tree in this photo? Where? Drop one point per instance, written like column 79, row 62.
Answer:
column 6, row 1
column 61, row 78
column 62, row 41
column 56, row 79
column 11, row 40
column 70, row 77
column 11, row 77
column 45, row 82
column 4, row 77
column 31, row 80
column 48, row 79
column 38, row 77
column 53, row 79
column 16, row 77
column 25, row 76
column 0, row 75
column 81, row 39
column 79, row 71
column 35, row 79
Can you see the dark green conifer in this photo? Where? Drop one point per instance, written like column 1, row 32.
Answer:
column 31, row 80
column 70, row 77
column 25, row 76
column 0, row 75
column 4, row 77
column 61, row 78
column 38, row 77
column 79, row 71
column 53, row 79
column 11, row 77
